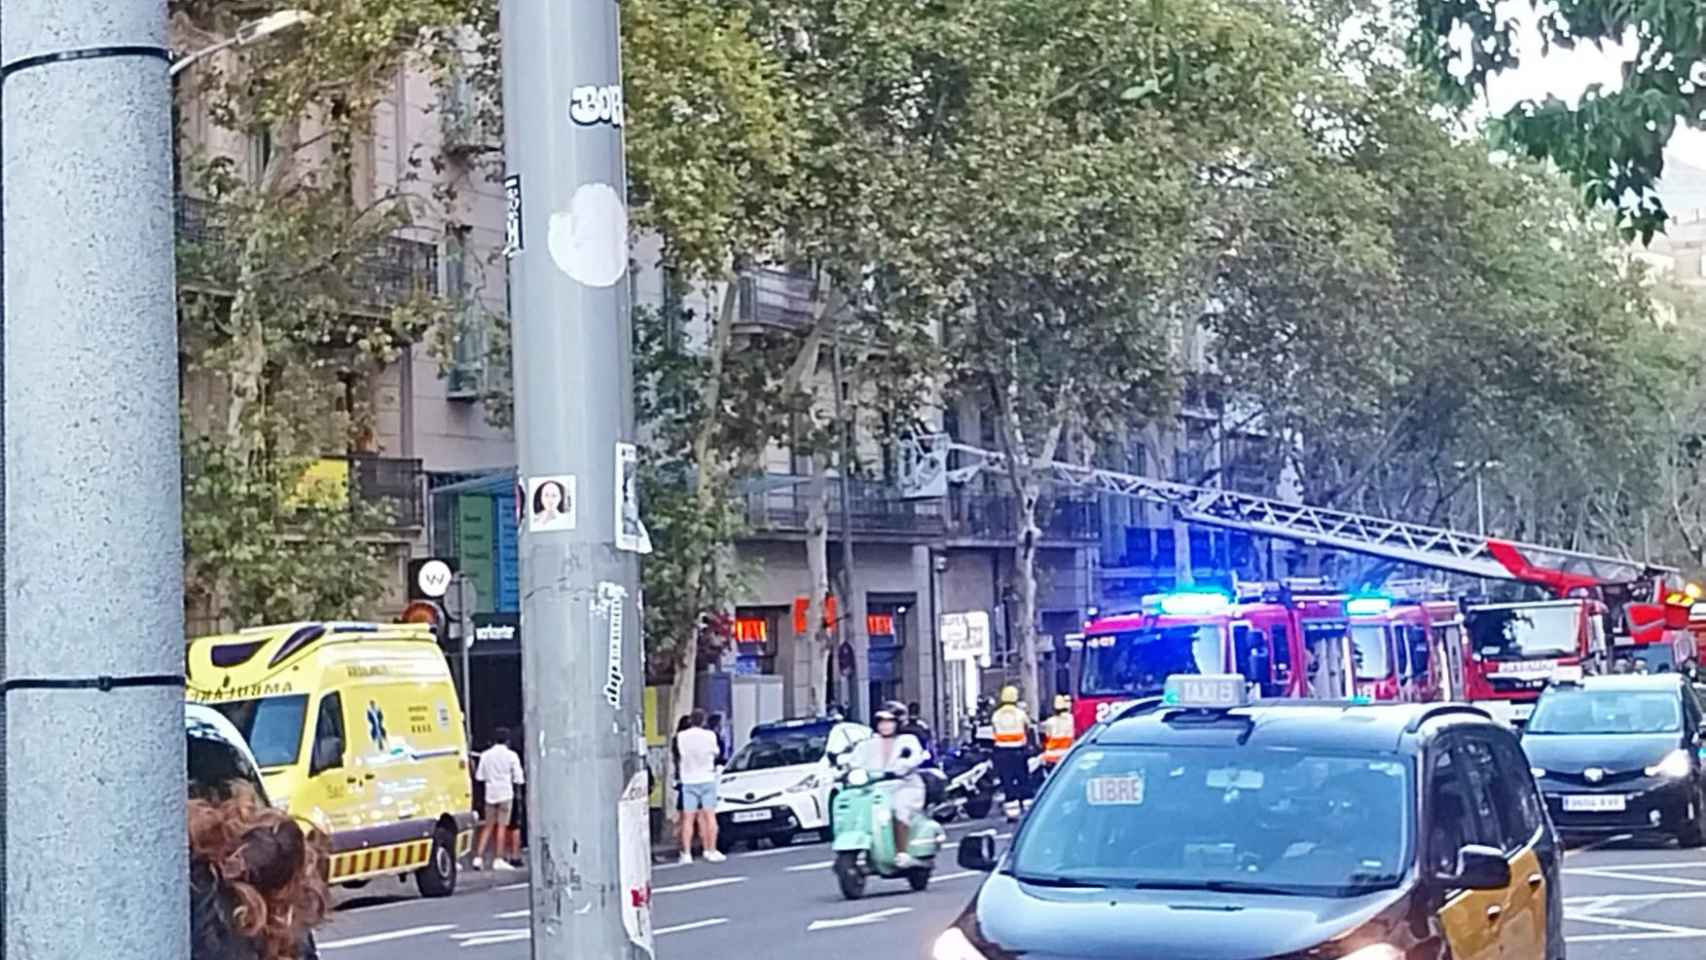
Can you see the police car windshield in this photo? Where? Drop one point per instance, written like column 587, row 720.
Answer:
column 1138, row 662
column 1215, row 818
column 1507, row 632
column 773, row 748
column 271, row 725
column 1369, row 641
column 1577, row 710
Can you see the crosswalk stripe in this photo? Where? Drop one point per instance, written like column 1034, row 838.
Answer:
column 695, row 925
column 388, row 935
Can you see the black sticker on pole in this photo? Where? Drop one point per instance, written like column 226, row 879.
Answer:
column 512, row 215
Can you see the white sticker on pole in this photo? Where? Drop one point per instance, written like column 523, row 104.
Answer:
column 512, row 215
column 589, row 241
column 608, row 604
column 630, row 530
column 550, row 503
column 634, row 859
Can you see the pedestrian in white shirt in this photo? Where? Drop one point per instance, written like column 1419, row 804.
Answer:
column 696, row 771
column 500, row 771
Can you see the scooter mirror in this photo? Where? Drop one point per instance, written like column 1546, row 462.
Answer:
column 977, row 851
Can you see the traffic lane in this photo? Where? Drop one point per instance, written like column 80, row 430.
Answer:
column 1631, row 897
column 756, row 904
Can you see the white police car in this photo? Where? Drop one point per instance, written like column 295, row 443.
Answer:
column 779, row 784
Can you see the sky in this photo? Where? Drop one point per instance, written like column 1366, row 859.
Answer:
column 1566, row 73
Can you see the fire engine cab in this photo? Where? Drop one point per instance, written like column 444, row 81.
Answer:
column 1400, row 641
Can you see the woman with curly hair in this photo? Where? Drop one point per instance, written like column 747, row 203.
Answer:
column 257, row 880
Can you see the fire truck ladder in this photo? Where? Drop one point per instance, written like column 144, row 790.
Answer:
column 925, row 462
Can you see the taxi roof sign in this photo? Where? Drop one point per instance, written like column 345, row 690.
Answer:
column 1567, row 673
column 1206, row 691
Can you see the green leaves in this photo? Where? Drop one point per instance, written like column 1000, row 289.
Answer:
column 1611, row 144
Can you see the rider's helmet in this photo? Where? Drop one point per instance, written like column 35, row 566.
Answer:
column 901, row 714
column 1009, row 694
column 1062, row 703
column 884, row 712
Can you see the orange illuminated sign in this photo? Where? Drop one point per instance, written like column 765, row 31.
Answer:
column 752, row 629
column 802, row 604
column 880, row 624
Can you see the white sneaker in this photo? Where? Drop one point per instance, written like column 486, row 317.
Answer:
column 686, row 858
column 504, row 865
column 904, row 861
column 474, row 864
column 714, row 855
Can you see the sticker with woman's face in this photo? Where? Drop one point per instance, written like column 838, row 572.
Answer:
column 550, row 504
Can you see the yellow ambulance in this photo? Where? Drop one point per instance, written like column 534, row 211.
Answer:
column 357, row 729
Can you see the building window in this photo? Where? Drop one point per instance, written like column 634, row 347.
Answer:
column 468, row 348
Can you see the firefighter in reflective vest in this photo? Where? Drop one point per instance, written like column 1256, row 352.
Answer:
column 1057, row 732
column 1012, row 751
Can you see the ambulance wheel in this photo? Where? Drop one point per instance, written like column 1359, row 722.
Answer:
column 919, row 879
column 848, row 875
column 438, row 877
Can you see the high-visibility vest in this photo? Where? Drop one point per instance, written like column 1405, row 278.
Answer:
column 1057, row 737
column 1009, row 722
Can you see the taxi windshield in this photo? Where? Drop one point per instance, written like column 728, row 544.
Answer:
column 1138, row 662
column 1576, row 710
column 1277, row 821
column 1369, row 641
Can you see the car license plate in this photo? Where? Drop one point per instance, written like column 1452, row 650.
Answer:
column 1596, row 803
column 752, row 816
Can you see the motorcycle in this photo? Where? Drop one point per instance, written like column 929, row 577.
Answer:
column 967, row 786
column 864, row 837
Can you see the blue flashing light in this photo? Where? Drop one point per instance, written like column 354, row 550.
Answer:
column 1193, row 603
column 1367, row 606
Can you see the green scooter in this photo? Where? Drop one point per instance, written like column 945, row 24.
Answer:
column 864, row 836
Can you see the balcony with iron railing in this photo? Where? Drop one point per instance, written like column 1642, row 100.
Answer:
column 397, row 271
column 387, row 491
column 782, row 505
column 771, row 297
column 991, row 517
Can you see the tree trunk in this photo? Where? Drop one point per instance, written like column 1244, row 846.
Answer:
column 818, row 642
column 712, row 469
column 1027, row 489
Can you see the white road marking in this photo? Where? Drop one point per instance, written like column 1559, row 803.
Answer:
column 768, row 853
column 388, row 935
column 1618, row 875
column 1599, row 843
column 819, row 865
column 513, row 914
column 695, row 925
column 699, row 885
column 1605, row 937
column 1593, row 904
column 955, row 876
column 513, row 886
column 487, row 938
column 860, row 920
column 1643, row 925
column 1689, row 865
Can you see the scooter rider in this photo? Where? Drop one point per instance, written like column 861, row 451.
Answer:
column 1012, row 753
column 1058, row 731
column 894, row 752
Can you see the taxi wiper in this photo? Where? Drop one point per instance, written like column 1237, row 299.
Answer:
column 1219, row 886
column 1057, row 880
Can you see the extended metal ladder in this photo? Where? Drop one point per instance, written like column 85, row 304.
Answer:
column 925, row 470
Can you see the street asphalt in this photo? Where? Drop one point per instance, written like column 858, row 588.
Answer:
column 1623, row 899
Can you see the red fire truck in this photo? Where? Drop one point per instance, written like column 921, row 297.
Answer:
column 1401, row 642
column 1617, row 593
column 1288, row 638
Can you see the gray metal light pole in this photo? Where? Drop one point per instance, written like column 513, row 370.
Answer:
column 582, row 674
column 93, row 599
column 855, row 633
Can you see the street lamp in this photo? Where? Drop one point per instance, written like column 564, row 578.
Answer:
column 248, row 33
column 1480, row 498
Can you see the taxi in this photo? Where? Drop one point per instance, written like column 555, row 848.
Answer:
column 1208, row 827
